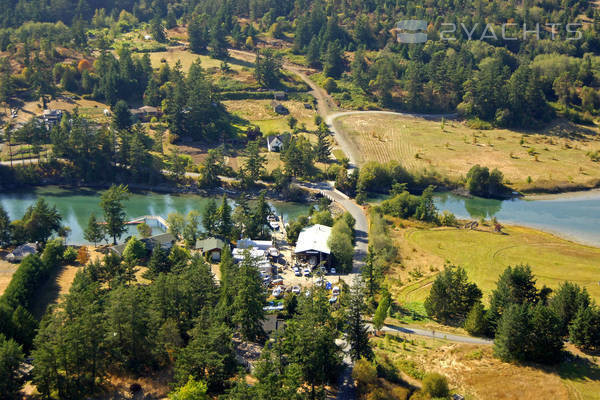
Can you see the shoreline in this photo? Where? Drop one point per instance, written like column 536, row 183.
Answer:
column 577, row 194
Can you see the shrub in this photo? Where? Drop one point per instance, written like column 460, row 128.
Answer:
column 436, row 385
column 83, row 256
column 69, row 255
column 365, row 375
column 448, row 219
column 330, row 86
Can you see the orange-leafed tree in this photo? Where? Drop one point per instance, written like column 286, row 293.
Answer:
column 84, row 65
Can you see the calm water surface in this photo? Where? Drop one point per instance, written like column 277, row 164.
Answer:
column 76, row 206
column 575, row 217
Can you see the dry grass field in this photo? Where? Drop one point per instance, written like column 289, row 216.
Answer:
column 90, row 109
column 554, row 156
column 6, row 272
column 473, row 371
column 260, row 113
column 174, row 54
column 484, row 255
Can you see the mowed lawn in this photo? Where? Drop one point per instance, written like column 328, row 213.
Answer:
column 555, row 155
column 484, row 255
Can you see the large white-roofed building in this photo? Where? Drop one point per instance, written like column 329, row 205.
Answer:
column 312, row 245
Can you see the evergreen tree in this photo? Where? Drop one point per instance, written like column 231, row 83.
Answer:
column 111, row 202
column 516, row 285
column 11, row 357
column 584, row 330
column 360, row 70
column 70, row 353
column 267, row 69
column 218, row 42
column 249, row 300
column 157, row 30
column 277, row 379
column 211, row 168
column 566, row 303
column 209, row 356
column 121, row 116
column 511, row 338
column 5, row 230
column 382, row 310
column 93, row 232
column 40, row 221
column 323, row 147
column 476, row 323
column 309, row 342
column 159, row 261
column 210, row 217
column 333, row 65
column 198, row 34
column 191, row 228
column 128, row 321
column 254, row 164
column 225, row 224
column 228, row 271
column 313, row 53
column 452, row 296
column 152, row 94
column 357, row 332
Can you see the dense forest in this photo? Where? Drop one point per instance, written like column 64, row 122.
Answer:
column 514, row 83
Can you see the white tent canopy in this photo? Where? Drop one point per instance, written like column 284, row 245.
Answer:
column 314, row 239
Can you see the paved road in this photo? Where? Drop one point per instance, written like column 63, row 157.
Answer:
column 361, row 226
column 434, row 334
column 26, row 161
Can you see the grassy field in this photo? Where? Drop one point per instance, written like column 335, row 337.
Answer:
column 260, row 113
column 473, row 371
column 485, row 255
column 553, row 156
column 174, row 54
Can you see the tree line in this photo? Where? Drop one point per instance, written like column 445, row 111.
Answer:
column 527, row 323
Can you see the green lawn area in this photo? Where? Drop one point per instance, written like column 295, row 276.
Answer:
column 485, row 255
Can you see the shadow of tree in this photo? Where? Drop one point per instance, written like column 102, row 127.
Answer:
column 578, row 369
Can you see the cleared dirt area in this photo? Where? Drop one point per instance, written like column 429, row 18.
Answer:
column 555, row 155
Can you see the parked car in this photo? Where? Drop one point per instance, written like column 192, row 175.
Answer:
column 277, row 292
column 335, row 291
column 297, row 272
column 306, row 272
column 333, row 299
column 332, row 271
column 296, row 290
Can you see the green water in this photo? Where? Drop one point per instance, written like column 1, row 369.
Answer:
column 76, row 206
